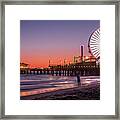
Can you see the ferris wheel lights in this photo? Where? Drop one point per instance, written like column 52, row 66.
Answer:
column 93, row 44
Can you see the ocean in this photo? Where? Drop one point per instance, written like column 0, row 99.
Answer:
column 36, row 84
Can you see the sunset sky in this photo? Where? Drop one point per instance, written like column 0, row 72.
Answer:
column 41, row 40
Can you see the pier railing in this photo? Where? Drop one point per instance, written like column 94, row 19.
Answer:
column 83, row 69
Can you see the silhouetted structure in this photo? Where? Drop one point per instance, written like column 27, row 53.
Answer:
column 81, row 66
column 82, row 69
column 82, row 53
column 24, row 65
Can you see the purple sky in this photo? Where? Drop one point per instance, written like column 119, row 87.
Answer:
column 42, row 40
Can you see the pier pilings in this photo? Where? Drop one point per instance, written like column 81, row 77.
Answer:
column 66, row 70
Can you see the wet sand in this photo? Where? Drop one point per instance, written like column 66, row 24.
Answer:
column 89, row 92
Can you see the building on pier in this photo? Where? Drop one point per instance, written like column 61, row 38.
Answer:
column 24, row 66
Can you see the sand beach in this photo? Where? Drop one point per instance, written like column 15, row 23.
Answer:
column 88, row 92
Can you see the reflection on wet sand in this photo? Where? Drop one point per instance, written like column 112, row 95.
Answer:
column 39, row 84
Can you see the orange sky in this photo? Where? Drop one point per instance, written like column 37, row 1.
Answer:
column 43, row 61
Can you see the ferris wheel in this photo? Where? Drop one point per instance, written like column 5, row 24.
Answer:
column 94, row 44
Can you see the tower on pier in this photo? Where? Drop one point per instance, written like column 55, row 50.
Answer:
column 82, row 52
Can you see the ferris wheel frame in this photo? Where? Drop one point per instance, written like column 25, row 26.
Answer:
column 89, row 48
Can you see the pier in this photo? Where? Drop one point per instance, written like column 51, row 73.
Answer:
column 82, row 69
column 81, row 65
